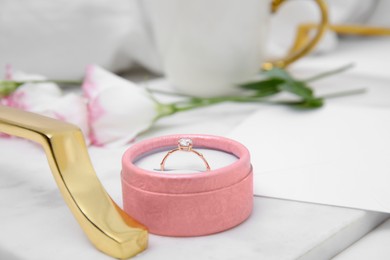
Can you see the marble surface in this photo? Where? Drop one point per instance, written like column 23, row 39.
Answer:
column 273, row 220
column 374, row 245
column 36, row 224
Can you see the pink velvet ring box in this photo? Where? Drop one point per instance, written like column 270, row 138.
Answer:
column 193, row 204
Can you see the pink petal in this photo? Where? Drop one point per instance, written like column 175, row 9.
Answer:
column 70, row 108
column 118, row 109
column 47, row 99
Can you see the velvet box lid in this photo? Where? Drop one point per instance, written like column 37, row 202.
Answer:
column 193, row 204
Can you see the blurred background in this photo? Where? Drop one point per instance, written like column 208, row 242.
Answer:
column 60, row 38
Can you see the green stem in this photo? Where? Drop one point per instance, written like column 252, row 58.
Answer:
column 60, row 82
column 173, row 108
column 9, row 86
column 344, row 93
column 327, row 96
column 177, row 94
column 328, row 73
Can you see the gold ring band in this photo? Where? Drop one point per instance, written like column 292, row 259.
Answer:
column 184, row 144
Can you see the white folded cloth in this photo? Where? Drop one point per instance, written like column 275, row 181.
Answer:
column 59, row 39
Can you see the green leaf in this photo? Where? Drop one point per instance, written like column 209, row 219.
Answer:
column 266, row 93
column 278, row 73
column 291, row 85
column 303, row 104
column 8, row 86
column 264, row 88
column 308, row 103
column 298, row 88
column 263, row 85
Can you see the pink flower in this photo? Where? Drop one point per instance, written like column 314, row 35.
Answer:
column 118, row 109
column 111, row 111
column 31, row 96
column 47, row 99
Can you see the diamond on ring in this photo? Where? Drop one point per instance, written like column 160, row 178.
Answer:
column 185, row 144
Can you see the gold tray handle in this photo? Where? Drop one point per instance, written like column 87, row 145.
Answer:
column 109, row 228
column 301, row 49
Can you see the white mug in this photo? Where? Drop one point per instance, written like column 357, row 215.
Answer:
column 207, row 47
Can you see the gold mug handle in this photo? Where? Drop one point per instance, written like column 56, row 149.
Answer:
column 299, row 53
column 305, row 29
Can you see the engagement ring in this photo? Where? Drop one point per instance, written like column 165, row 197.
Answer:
column 184, row 144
